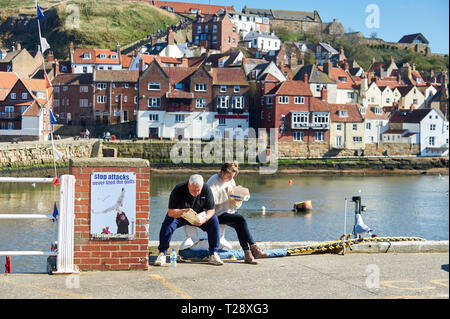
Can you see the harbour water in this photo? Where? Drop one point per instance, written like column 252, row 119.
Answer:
column 396, row 206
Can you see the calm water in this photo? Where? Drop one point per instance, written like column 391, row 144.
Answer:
column 396, row 206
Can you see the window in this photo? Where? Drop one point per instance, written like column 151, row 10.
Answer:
column 101, row 86
column 299, row 100
column 238, row 102
column 12, row 96
column 101, row 99
column 199, row 29
column 214, row 39
column 214, row 29
column 154, row 102
column 84, row 102
column 378, row 110
column 368, row 125
column 125, row 98
column 24, row 96
column 262, row 115
column 269, row 115
column 178, row 86
column 388, row 100
column 113, row 56
column 85, row 69
column 206, row 28
column 270, row 100
column 222, row 121
column 320, row 136
column 431, row 141
column 197, row 39
column 343, row 79
column 153, row 117
column 432, row 127
column 283, row 99
column 300, row 118
column 415, row 101
column 179, row 118
column 318, row 88
column 355, row 127
column 223, row 88
column 125, row 85
column 116, row 112
column 237, row 89
column 135, row 100
column 86, row 55
column 339, row 127
column 351, row 95
column 343, row 113
column 154, row 86
column 222, row 102
column 357, row 139
column 201, row 87
column 320, row 118
column 298, row 136
column 200, row 103
column 102, row 56
column 84, row 89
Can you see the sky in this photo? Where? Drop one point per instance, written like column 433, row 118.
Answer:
column 395, row 18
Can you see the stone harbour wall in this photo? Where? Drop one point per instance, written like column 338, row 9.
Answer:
column 34, row 153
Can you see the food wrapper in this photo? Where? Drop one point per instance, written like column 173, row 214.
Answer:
column 240, row 193
column 192, row 217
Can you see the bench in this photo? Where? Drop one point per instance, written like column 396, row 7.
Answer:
column 193, row 241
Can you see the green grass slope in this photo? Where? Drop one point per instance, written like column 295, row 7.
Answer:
column 88, row 23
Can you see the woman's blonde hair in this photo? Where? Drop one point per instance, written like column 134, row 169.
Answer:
column 231, row 167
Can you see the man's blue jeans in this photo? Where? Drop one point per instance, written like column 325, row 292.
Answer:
column 169, row 225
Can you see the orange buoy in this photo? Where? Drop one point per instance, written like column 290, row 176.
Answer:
column 303, row 206
column 290, row 182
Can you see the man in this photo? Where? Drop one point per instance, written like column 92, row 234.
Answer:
column 221, row 185
column 187, row 196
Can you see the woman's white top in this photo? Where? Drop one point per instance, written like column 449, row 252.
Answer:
column 223, row 204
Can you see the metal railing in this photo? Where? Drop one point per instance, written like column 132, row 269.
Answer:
column 64, row 252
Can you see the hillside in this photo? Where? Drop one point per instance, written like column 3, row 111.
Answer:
column 88, row 23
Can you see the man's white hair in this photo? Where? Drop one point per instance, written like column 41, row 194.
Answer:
column 196, row 179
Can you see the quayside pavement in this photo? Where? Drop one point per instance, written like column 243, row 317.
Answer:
column 390, row 275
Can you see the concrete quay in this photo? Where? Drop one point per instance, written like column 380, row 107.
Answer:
column 407, row 270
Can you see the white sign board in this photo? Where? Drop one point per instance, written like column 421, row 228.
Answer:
column 113, row 205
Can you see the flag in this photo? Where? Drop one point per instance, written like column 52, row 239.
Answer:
column 44, row 45
column 55, row 213
column 57, row 154
column 52, row 118
column 40, row 15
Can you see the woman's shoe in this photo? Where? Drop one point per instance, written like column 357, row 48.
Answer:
column 258, row 252
column 248, row 258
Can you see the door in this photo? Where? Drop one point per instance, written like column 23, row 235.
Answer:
column 153, row 132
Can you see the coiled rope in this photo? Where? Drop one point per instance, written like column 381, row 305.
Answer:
column 343, row 243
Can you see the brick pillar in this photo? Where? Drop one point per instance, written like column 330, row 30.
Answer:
column 110, row 254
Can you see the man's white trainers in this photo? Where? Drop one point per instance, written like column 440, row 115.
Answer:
column 214, row 259
column 161, row 260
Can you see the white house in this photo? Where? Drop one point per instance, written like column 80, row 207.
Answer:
column 375, row 123
column 86, row 60
column 430, row 127
column 262, row 41
column 247, row 22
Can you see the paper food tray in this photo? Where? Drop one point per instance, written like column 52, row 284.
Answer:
column 240, row 193
column 193, row 217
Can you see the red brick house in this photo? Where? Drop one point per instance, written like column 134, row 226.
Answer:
column 215, row 32
column 115, row 98
column 73, row 96
column 291, row 108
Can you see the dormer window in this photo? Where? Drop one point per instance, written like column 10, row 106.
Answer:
column 86, row 55
column 378, row 110
column 102, row 56
column 343, row 113
column 343, row 79
column 113, row 56
column 362, row 110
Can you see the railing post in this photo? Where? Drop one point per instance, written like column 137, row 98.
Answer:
column 64, row 262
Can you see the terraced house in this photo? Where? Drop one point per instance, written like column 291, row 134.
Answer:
column 191, row 102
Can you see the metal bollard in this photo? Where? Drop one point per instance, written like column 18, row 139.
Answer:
column 8, row 265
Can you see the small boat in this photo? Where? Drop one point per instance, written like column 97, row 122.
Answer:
column 302, row 206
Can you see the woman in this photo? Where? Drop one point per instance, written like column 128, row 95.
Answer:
column 221, row 185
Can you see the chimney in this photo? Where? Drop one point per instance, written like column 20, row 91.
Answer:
column 184, row 61
column 305, row 77
column 171, row 38
column 18, row 46
column 345, row 65
column 411, row 108
column 141, row 65
column 323, row 94
column 119, row 55
column 71, row 49
column 327, row 67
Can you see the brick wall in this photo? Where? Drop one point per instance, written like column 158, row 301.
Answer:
column 110, row 254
